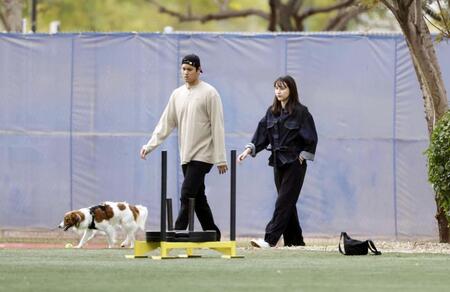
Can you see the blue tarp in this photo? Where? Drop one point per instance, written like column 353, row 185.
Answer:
column 75, row 110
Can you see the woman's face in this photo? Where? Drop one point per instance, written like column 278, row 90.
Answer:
column 282, row 92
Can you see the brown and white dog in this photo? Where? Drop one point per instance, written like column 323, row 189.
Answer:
column 106, row 217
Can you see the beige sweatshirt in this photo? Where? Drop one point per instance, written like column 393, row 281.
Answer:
column 198, row 115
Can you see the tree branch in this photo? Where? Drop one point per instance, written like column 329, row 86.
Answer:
column 330, row 8
column 3, row 19
column 432, row 24
column 444, row 32
column 441, row 18
column 212, row 16
column 294, row 5
column 444, row 17
column 273, row 15
column 389, row 6
column 340, row 21
column 430, row 12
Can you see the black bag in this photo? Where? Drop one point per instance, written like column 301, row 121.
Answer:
column 356, row 247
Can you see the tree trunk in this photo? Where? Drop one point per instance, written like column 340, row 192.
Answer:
column 420, row 44
column 13, row 15
column 442, row 225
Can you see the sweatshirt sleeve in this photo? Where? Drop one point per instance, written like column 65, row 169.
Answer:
column 166, row 124
column 217, row 128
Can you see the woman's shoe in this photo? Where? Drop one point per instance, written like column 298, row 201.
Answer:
column 259, row 243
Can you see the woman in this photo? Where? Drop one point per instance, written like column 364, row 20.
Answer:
column 289, row 129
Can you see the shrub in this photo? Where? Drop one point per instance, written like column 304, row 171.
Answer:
column 439, row 162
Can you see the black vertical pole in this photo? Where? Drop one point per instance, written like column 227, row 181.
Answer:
column 233, row 197
column 163, row 194
column 33, row 15
column 169, row 214
column 191, row 214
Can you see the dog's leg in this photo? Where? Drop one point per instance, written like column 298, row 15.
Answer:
column 125, row 242
column 132, row 239
column 111, row 236
column 88, row 234
column 130, row 230
column 94, row 232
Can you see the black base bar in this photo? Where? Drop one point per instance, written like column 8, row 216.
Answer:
column 182, row 236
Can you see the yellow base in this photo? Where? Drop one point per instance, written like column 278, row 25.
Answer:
column 141, row 248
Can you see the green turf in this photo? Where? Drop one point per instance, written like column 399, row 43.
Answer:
column 260, row 270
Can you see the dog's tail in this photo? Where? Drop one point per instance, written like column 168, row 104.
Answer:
column 143, row 213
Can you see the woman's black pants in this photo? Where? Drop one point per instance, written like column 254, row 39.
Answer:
column 288, row 180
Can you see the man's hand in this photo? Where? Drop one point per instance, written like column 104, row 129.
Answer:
column 144, row 153
column 222, row 168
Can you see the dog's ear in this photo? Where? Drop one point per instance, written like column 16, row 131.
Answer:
column 75, row 219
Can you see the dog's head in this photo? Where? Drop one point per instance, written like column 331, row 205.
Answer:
column 71, row 219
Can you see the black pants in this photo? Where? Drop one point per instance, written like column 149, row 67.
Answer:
column 288, row 180
column 194, row 187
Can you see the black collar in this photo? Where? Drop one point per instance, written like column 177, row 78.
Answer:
column 92, row 212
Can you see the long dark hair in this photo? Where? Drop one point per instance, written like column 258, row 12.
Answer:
column 293, row 99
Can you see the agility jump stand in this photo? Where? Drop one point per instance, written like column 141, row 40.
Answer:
column 188, row 240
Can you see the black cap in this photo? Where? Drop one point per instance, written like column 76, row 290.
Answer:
column 192, row 60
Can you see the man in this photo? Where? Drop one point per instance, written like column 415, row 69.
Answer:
column 195, row 109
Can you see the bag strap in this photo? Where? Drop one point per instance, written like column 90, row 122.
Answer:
column 340, row 239
column 373, row 248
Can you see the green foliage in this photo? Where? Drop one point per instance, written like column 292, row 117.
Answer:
column 439, row 162
column 140, row 15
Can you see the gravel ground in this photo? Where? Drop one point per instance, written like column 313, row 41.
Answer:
column 328, row 244
column 388, row 247
column 385, row 246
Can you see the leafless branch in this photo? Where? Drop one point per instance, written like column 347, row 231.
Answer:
column 294, row 5
column 330, row 8
column 432, row 24
column 342, row 19
column 212, row 16
column 389, row 5
column 273, row 15
column 445, row 33
column 431, row 13
column 441, row 17
column 444, row 17
column 3, row 20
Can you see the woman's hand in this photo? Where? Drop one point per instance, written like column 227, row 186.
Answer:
column 244, row 154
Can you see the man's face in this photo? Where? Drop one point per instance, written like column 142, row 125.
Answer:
column 190, row 73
